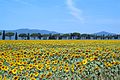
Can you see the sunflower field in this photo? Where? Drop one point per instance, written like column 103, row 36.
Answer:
column 60, row 60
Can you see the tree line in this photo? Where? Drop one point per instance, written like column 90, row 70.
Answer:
column 66, row 36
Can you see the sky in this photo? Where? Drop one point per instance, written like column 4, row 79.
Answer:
column 64, row 16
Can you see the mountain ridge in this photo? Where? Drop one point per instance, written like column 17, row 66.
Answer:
column 104, row 33
column 26, row 30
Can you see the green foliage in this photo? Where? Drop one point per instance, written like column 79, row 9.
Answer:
column 34, row 35
column 3, row 35
column 0, row 33
column 39, row 35
column 9, row 34
column 23, row 35
column 28, row 36
column 16, row 37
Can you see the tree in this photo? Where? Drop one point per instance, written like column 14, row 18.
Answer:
column 83, row 36
column 65, row 36
column 9, row 34
column 3, row 35
column 94, row 36
column 28, row 36
column 23, row 35
column 34, row 35
column 88, row 36
column 16, row 36
column 118, row 36
column 39, row 35
column 91, row 36
column 45, row 36
column 75, row 35
column 56, row 36
column 103, row 36
column 51, row 36
column 0, row 33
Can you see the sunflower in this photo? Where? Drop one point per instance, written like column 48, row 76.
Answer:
column 78, row 64
column 1, row 63
column 48, row 67
column 32, row 78
column 14, row 71
column 36, row 74
column 49, row 75
column 42, row 76
column 66, row 64
column 108, row 64
column 84, row 62
column 16, row 78
column 72, row 68
column 48, row 62
column 54, row 68
column 26, row 74
column 66, row 69
column 60, row 68
column 24, row 63
column 2, row 67
column 40, row 67
column 30, row 66
column 96, row 68
column 0, row 77
column 56, row 61
column 21, row 68
column 5, row 77
column 65, row 58
column 10, row 72
column 91, row 58
column 31, row 75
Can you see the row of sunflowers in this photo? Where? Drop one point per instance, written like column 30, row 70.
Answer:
column 60, row 60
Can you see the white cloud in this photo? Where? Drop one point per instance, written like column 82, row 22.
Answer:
column 76, row 12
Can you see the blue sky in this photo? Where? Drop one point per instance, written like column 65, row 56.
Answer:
column 84, row 16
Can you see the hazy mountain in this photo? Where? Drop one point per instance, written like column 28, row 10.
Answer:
column 31, row 31
column 104, row 33
column 48, row 32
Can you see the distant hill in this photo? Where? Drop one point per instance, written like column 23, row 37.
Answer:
column 31, row 31
column 48, row 32
column 104, row 33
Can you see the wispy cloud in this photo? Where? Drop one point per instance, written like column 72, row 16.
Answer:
column 76, row 12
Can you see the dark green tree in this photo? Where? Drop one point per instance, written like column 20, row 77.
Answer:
column 39, row 35
column 118, row 36
column 9, row 34
column 45, row 36
column 57, row 36
column 3, row 35
column 83, row 36
column 75, row 35
column 16, row 36
column 28, row 36
column 23, row 36
column 0, row 33
column 34, row 35
column 66, row 36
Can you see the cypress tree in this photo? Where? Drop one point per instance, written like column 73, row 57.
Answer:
column 16, row 37
column 28, row 36
column 39, row 35
column 3, row 35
